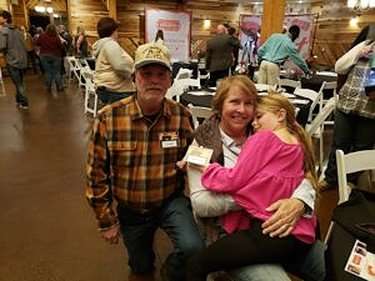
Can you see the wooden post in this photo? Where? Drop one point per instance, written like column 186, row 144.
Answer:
column 69, row 10
column 112, row 8
column 273, row 18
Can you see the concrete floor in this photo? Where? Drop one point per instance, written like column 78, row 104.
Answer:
column 48, row 231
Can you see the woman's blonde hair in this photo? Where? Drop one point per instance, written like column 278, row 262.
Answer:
column 273, row 103
column 242, row 81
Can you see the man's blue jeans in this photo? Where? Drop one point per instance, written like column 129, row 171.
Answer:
column 16, row 74
column 176, row 219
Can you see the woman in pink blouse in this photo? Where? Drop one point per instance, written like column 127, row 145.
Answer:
column 272, row 163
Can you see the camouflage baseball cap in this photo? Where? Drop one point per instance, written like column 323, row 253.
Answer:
column 152, row 53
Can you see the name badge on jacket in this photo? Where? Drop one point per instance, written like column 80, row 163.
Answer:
column 168, row 139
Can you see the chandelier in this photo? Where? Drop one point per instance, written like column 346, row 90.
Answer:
column 44, row 7
column 361, row 5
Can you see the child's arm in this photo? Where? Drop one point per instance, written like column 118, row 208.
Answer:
column 255, row 154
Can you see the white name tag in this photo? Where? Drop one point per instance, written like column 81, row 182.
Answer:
column 169, row 144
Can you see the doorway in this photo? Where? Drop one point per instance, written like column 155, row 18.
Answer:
column 39, row 20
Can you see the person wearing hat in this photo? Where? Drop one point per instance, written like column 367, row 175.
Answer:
column 14, row 49
column 275, row 51
column 132, row 155
column 113, row 66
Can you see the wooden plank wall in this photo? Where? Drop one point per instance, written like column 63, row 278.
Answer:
column 131, row 16
column 4, row 4
column 18, row 13
column 85, row 13
column 334, row 33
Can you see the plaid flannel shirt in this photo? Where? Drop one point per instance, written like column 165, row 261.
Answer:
column 126, row 160
column 352, row 96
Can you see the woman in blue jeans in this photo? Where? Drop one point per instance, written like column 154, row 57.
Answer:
column 51, row 51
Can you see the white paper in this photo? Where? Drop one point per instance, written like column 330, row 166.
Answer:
column 361, row 262
column 198, row 155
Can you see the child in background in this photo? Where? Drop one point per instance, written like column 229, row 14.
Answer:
column 270, row 166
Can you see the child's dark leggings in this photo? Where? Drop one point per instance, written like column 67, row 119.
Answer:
column 243, row 248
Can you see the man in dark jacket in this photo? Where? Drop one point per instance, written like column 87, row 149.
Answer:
column 14, row 49
column 219, row 55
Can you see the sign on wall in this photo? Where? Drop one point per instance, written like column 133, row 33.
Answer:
column 176, row 27
column 250, row 24
column 305, row 23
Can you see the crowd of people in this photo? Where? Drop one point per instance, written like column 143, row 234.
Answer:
column 255, row 206
column 41, row 50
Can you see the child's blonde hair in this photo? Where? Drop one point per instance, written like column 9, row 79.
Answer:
column 273, row 103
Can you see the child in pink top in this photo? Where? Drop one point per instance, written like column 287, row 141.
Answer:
column 270, row 166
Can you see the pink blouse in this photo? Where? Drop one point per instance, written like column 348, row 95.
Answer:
column 267, row 170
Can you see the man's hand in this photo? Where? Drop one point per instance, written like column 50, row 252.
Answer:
column 286, row 214
column 112, row 234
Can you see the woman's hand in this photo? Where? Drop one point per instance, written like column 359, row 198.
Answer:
column 200, row 168
column 181, row 165
column 366, row 51
column 286, row 214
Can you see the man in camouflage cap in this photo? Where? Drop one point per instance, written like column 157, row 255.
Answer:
column 133, row 151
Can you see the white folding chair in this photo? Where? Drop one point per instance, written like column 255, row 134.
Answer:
column 346, row 164
column 316, row 128
column 314, row 96
column 351, row 163
column 86, row 74
column 181, row 82
column 199, row 112
column 91, row 106
column 332, row 85
column 74, row 68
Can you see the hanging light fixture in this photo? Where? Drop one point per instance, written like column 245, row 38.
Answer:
column 42, row 8
column 360, row 6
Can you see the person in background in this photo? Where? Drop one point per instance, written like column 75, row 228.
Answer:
column 225, row 131
column 271, row 165
column 39, row 30
column 114, row 66
column 232, row 32
column 81, row 44
column 159, row 37
column 354, row 127
column 133, row 151
column 51, row 51
column 29, row 48
column 66, row 39
column 13, row 47
column 219, row 54
column 275, row 51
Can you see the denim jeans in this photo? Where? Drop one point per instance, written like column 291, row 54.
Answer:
column 52, row 70
column 351, row 133
column 108, row 97
column 176, row 219
column 16, row 75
